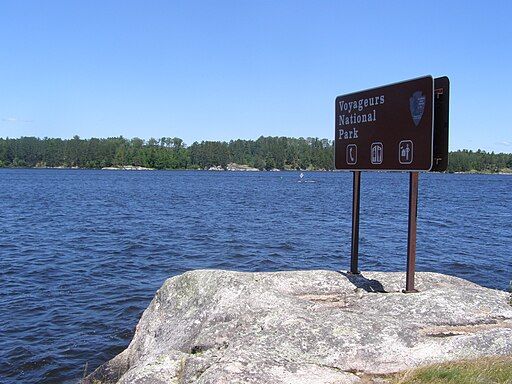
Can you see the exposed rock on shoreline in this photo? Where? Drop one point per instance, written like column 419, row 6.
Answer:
column 240, row 167
column 307, row 327
column 127, row 168
column 233, row 167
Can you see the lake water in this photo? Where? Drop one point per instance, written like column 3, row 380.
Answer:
column 83, row 252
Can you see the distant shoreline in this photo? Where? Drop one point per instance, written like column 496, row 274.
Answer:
column 241, row 168
column 265, row 153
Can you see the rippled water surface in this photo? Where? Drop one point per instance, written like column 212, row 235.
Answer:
column 83, row 252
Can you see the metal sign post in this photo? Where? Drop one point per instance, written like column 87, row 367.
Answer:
column 398, row 127
column 411, row 236
column 354, row 249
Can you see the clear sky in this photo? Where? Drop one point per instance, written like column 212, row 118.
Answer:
column 217, row 70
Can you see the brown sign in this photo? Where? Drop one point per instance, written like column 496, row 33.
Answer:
column 441, row 120
column 386, row 128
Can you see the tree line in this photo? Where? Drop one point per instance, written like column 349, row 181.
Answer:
column 265, row 153
column 166, row 153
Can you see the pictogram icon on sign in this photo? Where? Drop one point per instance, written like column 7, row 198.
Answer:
column 351, row 154
column 405, row 152
column 376, row 153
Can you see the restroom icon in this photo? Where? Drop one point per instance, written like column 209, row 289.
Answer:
column 405, row 152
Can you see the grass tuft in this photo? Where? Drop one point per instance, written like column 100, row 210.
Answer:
column 492, row 370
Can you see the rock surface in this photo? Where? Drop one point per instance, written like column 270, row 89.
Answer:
column 212, row 326
column 127, row 168
column 240, row 167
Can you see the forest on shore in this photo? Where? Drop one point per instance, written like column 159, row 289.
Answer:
column 265, row 153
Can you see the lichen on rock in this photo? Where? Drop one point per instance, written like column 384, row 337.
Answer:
column 213, row 326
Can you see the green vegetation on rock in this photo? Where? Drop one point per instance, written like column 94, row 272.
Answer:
column 479, row 161
column 486, row 370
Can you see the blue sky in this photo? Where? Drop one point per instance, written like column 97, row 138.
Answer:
column 216, row 70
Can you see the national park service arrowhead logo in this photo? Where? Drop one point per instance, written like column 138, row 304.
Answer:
column 417, row 106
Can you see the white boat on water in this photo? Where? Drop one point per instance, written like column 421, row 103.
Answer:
column 303, row 180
